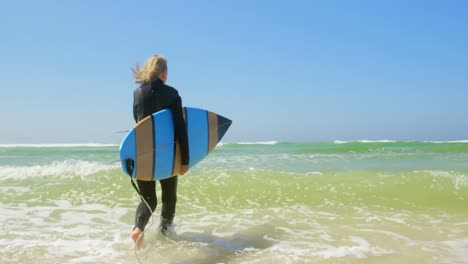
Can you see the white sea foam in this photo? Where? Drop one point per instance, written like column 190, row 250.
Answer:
column 56, row 168
column 71, row 145
column 435, row 173
column 459, row 248
column 459, row 180
column 64, row 233
column 390, row 235
column 377, row 141
column 341, row 142
column 299, row 251
column 362, row 249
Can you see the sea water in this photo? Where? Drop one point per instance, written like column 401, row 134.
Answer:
column 264, row 202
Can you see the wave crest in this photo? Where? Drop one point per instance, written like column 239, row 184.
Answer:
column 56, row 168
column 364, row 141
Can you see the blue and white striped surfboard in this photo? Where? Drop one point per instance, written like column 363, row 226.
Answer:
column 155, row 153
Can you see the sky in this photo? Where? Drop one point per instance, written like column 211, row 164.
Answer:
column 281, row 70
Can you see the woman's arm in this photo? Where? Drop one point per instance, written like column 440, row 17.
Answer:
column 180, row 129
column 137, row 103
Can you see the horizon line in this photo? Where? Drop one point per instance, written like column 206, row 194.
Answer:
column 266, row 142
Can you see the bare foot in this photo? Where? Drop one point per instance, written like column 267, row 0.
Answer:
column 137, row 237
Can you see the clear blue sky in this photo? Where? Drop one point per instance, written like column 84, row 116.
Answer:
column 281, row 70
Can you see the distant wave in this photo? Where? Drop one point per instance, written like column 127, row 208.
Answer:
column 364, row 141
column 249, row 143
column 449, row 141
column 258, row 143
column 393, row 141
column 91, row 145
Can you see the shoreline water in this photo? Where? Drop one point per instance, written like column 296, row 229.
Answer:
column 326, row 202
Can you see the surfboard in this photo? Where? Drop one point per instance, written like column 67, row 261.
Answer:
column 153, row 151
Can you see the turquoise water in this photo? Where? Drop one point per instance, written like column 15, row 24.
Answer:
column 266, row 202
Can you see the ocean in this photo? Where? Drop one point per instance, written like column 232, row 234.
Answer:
column 252, row 202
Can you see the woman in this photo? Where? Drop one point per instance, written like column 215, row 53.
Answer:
column 152, row 96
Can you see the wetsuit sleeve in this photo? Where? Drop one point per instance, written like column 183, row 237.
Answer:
column 180, row 129
column 137, row 104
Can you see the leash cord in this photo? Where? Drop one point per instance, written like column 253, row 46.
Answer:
column 150, row 225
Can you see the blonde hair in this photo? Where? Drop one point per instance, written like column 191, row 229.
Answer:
column 154, row 66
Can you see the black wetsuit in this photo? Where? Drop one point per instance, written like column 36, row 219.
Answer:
column 148, row 99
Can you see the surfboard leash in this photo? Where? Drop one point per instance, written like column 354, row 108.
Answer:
column 130, row 166
column 151, row 217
